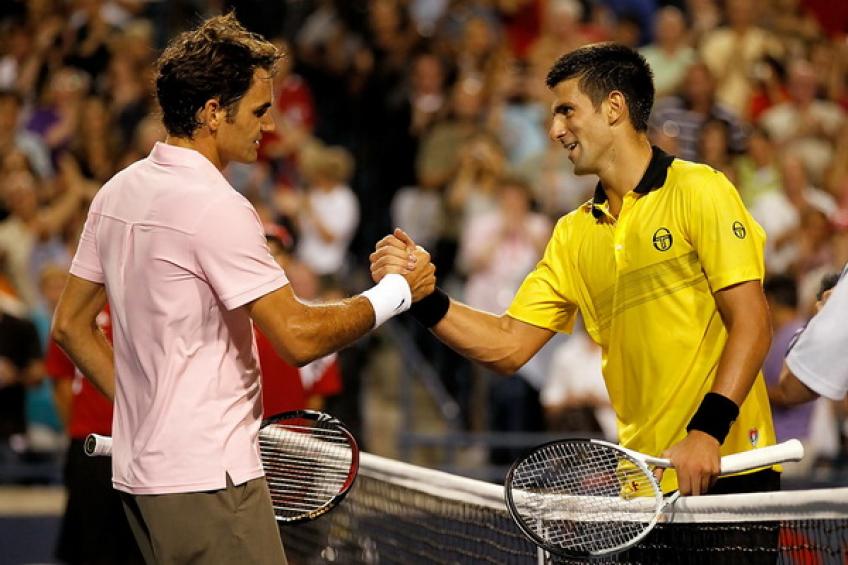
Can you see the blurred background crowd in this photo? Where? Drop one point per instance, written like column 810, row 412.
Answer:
column 431, row 115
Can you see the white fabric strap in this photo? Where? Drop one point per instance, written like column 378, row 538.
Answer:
column 390, row 297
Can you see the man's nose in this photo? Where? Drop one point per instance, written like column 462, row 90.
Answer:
column 557, row 130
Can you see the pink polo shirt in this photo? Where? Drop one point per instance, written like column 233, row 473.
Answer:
column 179, row 252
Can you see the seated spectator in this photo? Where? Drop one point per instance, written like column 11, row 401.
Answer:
column 780, row 214
column 805, row 125
column 518, row 114
column 713, row 147
column 326, row 214
column 497, row 250
column 57, row 117
column 21, row 368
column 732, row 50
column 561, row 33
column 421, row 212
column 757, row 171
column 555, row 186
column 681, row 117
column 12, row 136
column 670, row 53
column 30, row 227
column 438, row 154
column 474, row 189
column 769, row 87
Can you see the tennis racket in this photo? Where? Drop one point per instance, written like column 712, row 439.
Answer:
column 310, row 461
column 589, row 498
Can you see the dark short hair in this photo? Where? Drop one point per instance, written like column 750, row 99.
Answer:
column 782, row 289
column 828, row 281
column 604, row 67
column 215, row 60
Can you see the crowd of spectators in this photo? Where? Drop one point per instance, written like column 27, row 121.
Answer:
column 427, row 114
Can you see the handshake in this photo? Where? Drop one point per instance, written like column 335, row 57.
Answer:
column 398, row 254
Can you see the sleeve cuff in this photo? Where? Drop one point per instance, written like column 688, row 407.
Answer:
column 242, row 298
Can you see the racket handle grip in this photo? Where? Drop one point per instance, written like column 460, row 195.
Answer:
column 790, row 450
column 97, row 445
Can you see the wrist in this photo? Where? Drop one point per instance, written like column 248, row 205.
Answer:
column 431, row 309
column 714, row 416
column 389, row 297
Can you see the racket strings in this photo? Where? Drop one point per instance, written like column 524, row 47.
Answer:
column 306, row 465
column 584, row 497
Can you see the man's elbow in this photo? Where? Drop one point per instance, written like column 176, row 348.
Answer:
column 61, row 331
column 296, row 352
column 508, row 365
column 301, row 358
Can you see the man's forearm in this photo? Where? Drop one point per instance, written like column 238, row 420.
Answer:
column 744, row 311
column 746, row 348
column 790, row 391
column 322, row 329
column 493, row 341
column 91, row 353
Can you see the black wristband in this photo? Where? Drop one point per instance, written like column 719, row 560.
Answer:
column 431, row 309
column 715, row 415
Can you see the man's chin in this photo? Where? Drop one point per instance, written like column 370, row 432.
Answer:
column 249, row 157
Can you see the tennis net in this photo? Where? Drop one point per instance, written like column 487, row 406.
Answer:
column 400, row 513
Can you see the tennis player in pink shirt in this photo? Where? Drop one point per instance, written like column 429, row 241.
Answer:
column 182, row 259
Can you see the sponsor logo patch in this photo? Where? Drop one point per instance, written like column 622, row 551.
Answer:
column 663, row 240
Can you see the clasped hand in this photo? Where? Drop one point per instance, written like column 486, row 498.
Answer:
column 398, row 253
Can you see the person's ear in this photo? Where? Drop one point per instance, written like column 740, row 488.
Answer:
column 212, row 114
column 615, row 107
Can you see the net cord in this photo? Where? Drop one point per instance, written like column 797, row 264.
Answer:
column 817, row 504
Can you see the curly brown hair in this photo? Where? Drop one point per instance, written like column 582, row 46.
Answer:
column 216, row 60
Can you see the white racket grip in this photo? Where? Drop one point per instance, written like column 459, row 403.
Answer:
column 97, row 445
column 790, row 450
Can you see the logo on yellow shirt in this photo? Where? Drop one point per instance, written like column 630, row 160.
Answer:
column 739, row 230
column 663, row 239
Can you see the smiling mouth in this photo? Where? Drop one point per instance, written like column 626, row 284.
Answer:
column 570, row 146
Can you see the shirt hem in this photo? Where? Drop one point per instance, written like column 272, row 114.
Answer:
column 724, row 281
column 217, row 484
column 529, row 320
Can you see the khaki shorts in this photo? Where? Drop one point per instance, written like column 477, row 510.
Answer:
column 232, row 525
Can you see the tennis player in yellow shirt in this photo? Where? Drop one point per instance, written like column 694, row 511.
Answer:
column 665, row 265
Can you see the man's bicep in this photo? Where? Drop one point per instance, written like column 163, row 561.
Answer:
column 273, row 306
column 528, row 337
column 742, row 300
column 274, row 313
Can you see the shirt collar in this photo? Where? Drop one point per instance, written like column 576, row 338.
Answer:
column 653, row 179
column 173, row 156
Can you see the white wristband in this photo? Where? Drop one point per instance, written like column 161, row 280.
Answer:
column 389, row 297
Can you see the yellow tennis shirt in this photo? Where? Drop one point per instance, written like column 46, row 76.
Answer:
column 644, row 284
